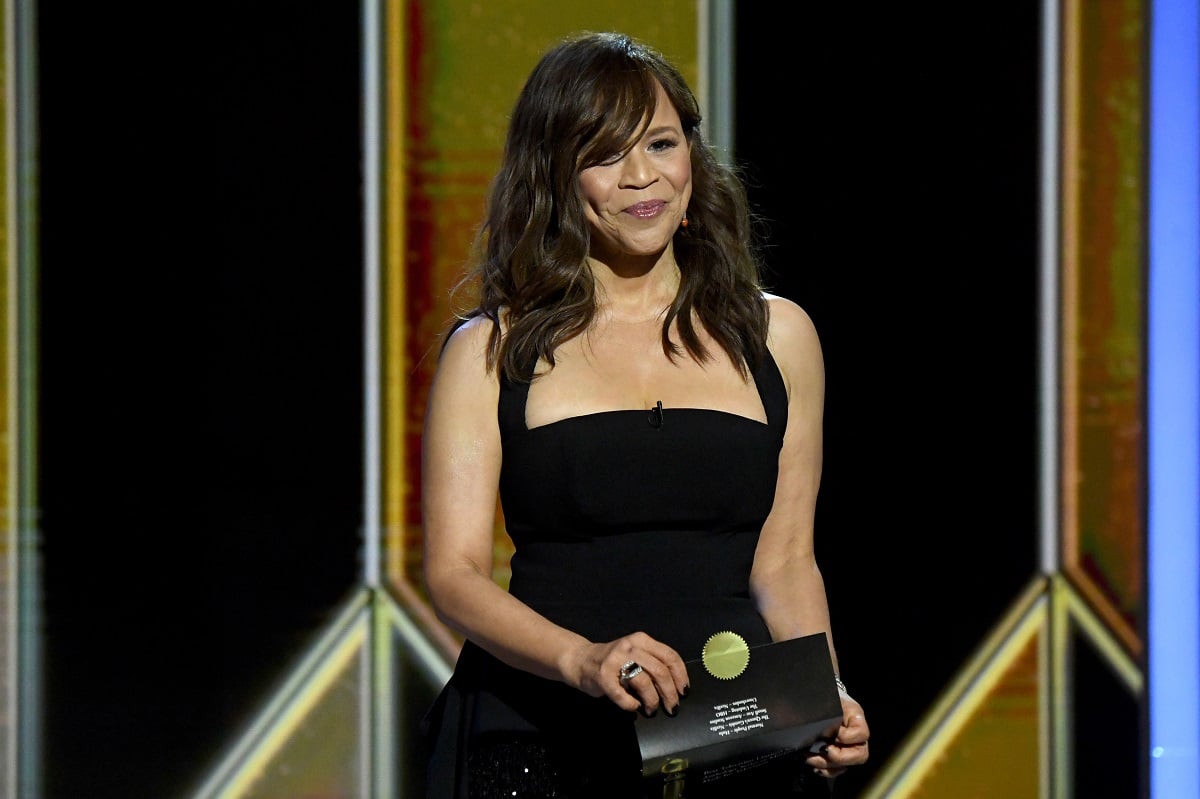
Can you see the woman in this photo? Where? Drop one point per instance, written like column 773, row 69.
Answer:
column 648, row 417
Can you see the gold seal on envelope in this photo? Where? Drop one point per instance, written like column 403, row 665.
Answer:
column 725, row 655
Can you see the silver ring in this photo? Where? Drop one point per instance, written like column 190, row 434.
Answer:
column 629, row 671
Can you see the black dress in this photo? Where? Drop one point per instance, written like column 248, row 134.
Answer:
column 622, row 521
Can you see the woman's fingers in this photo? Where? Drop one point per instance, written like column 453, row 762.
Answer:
column 648, row 675
column 849, row 747
column 653, row 685
column 854, row 729
column 834, row 758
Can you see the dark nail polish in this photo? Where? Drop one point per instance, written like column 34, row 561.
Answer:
column 672, row 711
column 651, row 714
column 685, row 690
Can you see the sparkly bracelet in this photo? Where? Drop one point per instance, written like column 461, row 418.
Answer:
column 841, row 686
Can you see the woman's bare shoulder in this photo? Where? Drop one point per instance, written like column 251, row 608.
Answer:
column 466, row 348
column 794, row 344
column 789, row 325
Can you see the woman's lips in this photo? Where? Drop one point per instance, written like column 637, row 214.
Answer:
column 646, row 210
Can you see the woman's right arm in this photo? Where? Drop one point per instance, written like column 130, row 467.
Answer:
column 460, row 474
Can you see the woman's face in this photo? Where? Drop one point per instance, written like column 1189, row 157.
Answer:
column 635, row 202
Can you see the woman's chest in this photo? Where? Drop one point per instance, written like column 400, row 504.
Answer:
column 591, row 377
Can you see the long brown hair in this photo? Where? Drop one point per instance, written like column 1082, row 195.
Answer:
column 588, row 97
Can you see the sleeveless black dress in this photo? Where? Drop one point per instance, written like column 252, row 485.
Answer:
column 622, row 521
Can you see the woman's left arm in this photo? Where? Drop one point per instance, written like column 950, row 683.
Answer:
column 785, row 580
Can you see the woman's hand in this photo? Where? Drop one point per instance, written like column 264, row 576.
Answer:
column 849, row 746
column 661, row 681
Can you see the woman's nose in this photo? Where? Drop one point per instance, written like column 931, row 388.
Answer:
column 636, row 171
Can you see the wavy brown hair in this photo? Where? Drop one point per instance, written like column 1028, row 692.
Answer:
column 588, row 97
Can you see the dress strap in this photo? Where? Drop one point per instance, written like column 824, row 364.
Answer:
column 772, row 391
column 511, row 407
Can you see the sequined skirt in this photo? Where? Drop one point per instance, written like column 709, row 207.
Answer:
column 502, row 768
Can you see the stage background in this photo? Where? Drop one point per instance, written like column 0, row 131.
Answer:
column 200, row 395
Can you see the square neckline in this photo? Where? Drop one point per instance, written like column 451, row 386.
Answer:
column 768, row 383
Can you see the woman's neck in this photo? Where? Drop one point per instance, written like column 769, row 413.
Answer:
column 630, row 295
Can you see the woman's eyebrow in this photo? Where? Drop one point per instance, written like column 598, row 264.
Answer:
column 661, row 129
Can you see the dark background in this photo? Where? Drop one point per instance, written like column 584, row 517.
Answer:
column 200, row 398
column 201, row 373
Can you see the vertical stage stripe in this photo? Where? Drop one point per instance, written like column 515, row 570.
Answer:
column 1174, row 400
column 372, row 274
column 1049, row 301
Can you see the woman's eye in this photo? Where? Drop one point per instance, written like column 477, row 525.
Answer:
column 661, row 145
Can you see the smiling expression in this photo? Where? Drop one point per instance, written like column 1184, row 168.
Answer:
column 635, row 201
